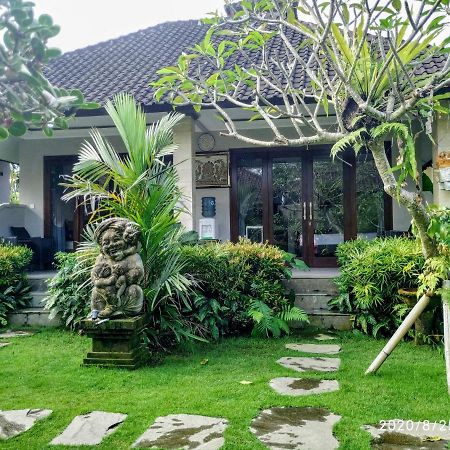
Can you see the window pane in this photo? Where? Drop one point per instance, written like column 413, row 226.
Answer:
column 250, row 206
column 369, row 197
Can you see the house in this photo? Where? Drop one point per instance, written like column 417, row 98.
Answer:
column 297, row 198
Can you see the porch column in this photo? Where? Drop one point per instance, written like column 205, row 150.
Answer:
column 184, row 161
column 441, row 194
column 441, row 162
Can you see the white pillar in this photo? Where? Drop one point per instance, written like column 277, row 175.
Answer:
column 441, row 151
column 184, row 161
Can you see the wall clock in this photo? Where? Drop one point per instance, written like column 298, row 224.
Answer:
column 206, row 142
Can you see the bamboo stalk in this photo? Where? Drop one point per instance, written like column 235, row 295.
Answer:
column 398, row 335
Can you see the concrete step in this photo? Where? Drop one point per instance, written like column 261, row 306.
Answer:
column 312, row 285
column 326, row 320
column 38, row 280
column 33, row 317
column 316, row 301
column 38, row 299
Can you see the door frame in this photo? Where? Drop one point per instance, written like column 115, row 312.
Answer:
column 307, row 155
column 49, row 161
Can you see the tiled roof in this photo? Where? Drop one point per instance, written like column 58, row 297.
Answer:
column 129, row 63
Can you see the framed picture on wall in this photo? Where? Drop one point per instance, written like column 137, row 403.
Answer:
column 212, row 170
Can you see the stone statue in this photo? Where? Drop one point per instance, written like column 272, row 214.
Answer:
column 118, row 271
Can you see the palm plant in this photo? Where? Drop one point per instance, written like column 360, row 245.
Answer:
column 141, row 186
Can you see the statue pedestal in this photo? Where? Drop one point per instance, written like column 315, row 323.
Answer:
column 116, row 343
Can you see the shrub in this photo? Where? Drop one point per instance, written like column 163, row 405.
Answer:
column 14, row 287
column 372, row 272
column 243, row 285
column 69, row 291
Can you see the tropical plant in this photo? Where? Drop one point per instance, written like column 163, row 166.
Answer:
column 27, row 98
column 372, row 272
column 243, row 283
column 69, row 290
column 14, row 286
column 140, row 186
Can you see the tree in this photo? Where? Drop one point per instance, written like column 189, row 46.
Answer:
column 364, row 62
column 27, row 98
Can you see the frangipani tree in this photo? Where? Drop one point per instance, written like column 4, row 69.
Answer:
column 362, row 62
column 27, row 98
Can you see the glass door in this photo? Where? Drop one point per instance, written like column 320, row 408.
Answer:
column 326, row 224
column 288, row 204
column 305, row 202
column 250, row 203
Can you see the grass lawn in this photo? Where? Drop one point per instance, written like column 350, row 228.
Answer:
column 43, row 371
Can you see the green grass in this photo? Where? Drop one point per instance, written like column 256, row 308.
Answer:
column 43, row 371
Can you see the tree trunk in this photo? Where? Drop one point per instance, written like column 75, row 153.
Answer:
column 411, row 200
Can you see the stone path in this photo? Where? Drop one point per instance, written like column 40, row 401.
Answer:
column 17, row 421
column 296, row 387
column 184, row 431
column 89, row 429
column 303, row 364
column 324, row 337
column 12, row 334
column 301, row 428
column 324, row 349
column 277, row 428
column 409, row 435
column 296, row 428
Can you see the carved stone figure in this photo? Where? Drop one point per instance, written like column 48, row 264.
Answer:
column 118, row 271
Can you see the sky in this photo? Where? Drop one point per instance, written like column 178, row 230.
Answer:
column 86, row 22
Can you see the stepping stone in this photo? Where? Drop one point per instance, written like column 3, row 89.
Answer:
column 17, row 421
column 296, row 429
column 328, row 349
column 13, row 334
column 184, row 431
column 409, row 435
column 303, row 364
column 89, row 429
column 296, row 387
column 324, row 337
column 4, row 344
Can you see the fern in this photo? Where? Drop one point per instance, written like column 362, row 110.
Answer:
column 353, row 139
column 268, row 323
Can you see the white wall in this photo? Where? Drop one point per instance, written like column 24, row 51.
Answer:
column 442, row 140
column 4, row 182
column 31, row 162
column 15, row 216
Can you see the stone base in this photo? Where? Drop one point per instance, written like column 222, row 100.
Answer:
column 116, row 343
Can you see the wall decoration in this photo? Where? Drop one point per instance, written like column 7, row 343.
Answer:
column 212, row 170
column 206, row 142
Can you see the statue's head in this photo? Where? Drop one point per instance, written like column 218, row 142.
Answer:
column 115, row 236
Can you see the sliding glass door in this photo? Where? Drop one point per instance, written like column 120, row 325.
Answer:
column 304, row 202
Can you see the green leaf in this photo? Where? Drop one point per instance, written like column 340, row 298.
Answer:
column 48, row 131
column 38, row 48
column 3, row 133
column 90, row 105
column 397, row 5
column 17, row 129
column 45, row 20
column 53, row 53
